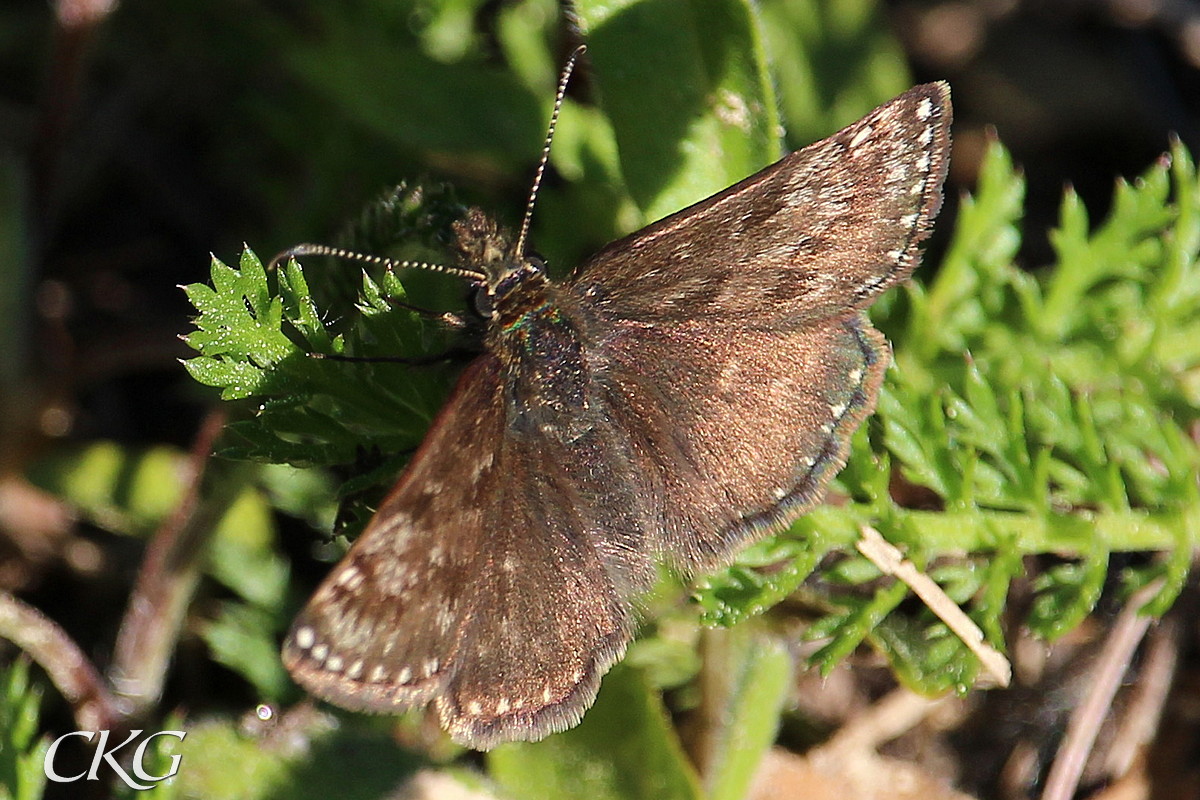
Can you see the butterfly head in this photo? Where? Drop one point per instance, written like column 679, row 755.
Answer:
column 485, row 248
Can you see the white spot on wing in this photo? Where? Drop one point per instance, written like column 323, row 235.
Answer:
column 444, row 616
column 924, row 109
column 350, row 578
column 861, row 136
column 305, row 637
column 481, row 466
column 395, row 572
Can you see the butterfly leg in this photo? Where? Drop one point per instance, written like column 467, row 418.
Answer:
column 447, row 318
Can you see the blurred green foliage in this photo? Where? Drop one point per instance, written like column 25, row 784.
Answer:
column 22, row 749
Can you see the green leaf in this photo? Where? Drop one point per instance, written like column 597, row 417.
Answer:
column 846, row 631
column 624, row 749
column 418, row 102
column 22, row 751
column 125, row 490
column 245, row 639
column 746, row 681
column 311, row 411
column 221, row 761
column 686, row 89
column 242, row 554
column 764, row 574
column 971, row 283
column 1066, row 594
column 834, row 60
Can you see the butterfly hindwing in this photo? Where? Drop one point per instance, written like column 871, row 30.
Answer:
column 735, row 431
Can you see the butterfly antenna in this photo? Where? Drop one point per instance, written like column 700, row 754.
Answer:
column 541, row 170
column 389, row 263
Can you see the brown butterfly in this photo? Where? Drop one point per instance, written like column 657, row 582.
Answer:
column 688, row 390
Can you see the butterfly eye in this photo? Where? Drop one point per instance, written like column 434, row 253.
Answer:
column 484, row 302
column 487, row 296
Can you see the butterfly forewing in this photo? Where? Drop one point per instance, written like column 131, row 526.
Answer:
column 693, row 385
column 548, row 619
column 821, row 232
column 478, row 584
column 374, row 634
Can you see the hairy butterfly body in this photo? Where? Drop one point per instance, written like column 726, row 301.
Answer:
column 692, row 387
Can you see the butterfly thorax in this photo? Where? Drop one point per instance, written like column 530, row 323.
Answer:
column 533, row 330
column 537, row 341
